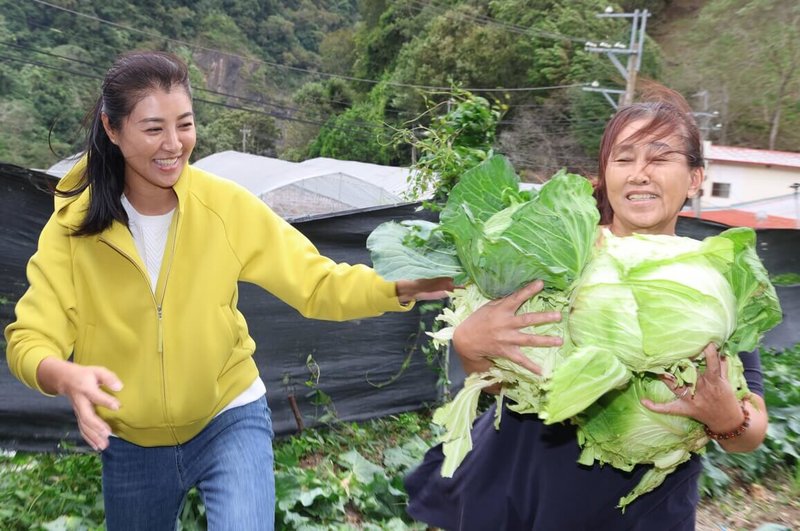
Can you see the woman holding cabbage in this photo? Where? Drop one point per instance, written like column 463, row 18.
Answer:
column 526, row 473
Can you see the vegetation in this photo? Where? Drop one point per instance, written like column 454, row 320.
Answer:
column 786, row 279
column 256, row 66
column 350, row 475
column 454, row 142
column 751, row 81
column 339, row 77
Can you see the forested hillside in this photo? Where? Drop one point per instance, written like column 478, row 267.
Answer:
column 339, row 77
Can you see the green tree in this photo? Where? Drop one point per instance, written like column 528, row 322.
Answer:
column 359, row 133
column 316, row 103
column 750, row 69
column 338, row 52
column 237, row 131
column 386, row 28
column 454, row 48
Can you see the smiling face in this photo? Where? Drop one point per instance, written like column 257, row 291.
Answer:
column 156, row 140
column 647, row 182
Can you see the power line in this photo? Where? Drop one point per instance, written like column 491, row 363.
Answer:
column 355, row 128
column 232, row 96
column 362, row 126
column 365, row 127
column 197, row 89
column 43, row 65
column 21, row 47
column 485, row 20
column 294, row 68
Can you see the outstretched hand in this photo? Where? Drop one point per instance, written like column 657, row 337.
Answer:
column 426, row 289
column 83, row 386
column 495, row 330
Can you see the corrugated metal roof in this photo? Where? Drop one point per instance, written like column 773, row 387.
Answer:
column 741, row 218
column 788, row 159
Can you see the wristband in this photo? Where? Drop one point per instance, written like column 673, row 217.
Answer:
column 734, row 433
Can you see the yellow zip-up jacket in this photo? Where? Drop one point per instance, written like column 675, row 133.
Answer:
column 184, row 352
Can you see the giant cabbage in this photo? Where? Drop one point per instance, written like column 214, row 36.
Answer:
column 633, row 308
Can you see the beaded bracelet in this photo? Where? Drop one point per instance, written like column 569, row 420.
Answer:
column 735, row 433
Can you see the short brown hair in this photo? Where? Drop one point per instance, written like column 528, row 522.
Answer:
column 668, row 113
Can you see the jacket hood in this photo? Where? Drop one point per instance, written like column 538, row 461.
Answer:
column 71, row 210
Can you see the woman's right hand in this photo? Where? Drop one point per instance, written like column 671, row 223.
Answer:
column 495, row 331
column 83, row 386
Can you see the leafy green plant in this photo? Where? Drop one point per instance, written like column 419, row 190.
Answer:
column 41, row 490
column 436, row 356
column 786, row 279
column 319, row 398
column 193, row 514
column 349, row 475
column 453, row 143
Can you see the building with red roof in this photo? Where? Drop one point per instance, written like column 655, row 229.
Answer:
column 750, row 187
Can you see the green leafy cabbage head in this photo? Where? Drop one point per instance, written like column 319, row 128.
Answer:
column 656, row 301
column 505, row 238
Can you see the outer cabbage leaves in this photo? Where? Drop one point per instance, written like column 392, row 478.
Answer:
column 504, row 242
column 503, row 238
column 757, row 305
column 620, row 431
column 412, row 250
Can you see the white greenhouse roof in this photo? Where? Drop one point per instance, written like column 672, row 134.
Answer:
column 315, row 186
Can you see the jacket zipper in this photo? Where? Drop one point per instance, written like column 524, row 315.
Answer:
column 160, row 331
column 159, row 311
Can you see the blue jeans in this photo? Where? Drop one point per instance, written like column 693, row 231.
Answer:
column 230, row 462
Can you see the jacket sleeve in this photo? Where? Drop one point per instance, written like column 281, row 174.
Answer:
column 45, row 315
column 279, row 258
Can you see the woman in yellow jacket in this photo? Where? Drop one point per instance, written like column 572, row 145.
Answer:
column 135, row 279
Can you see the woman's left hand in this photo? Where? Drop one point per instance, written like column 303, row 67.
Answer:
column 426, row 289
column 713, row 401
column 714, row 404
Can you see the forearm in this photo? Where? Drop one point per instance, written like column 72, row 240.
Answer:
column 754, row 435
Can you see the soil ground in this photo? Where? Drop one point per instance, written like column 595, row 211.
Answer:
column 749, row 507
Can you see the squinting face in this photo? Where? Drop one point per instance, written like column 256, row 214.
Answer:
column 156, row 140
column 648, row 182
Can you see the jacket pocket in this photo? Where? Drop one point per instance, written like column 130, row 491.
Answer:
column 83, row 353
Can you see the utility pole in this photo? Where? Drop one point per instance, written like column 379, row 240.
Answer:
column 704, row 116
column 795, row 187
column 704, row 125
column 633, row 50
column 245, row 131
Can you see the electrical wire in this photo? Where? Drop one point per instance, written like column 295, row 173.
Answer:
column 486, row 20
column 293, row 68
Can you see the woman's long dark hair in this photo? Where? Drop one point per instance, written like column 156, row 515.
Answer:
column 667, row 113
column 128, row 81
